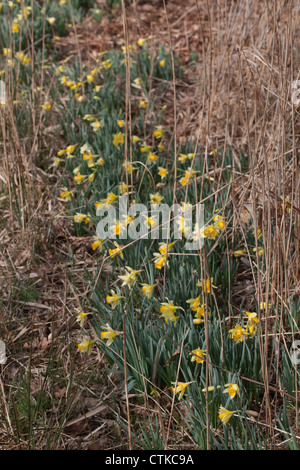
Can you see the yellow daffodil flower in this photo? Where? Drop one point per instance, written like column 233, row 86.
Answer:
column 116, row 251
column 159, row 132
column 180, row 388
column 225, row 415
column 238, row 333
column 97, row 244
column 113, row 299
column 165, row 247
column 81, row 318
column 156, row 198
column 167, row 309
column 160, row 260
column 198, row 355
column 152, row 157
column 239, row 253
column 65, row 194
column 118, row 139
column 194, row 303
column 232, row 389
column 110, row 334
column 96, row 125
column 147, row 290
column 208, row 284
column 129, row 278
column 162, row 172
column 86, row 346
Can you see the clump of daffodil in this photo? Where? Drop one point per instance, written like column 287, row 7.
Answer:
column 129, row 278
column 113, row 299
column 116, row 251
column 147, row 290
column 198, row 355
column 86, row 346
column 225, row 415
column 238, row 333
column 81, row 318
column 110, row 334
column 180, row 388
column 168, row 309
column 232, row 389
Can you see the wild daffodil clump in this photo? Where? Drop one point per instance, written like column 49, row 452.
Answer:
column 168, row 297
